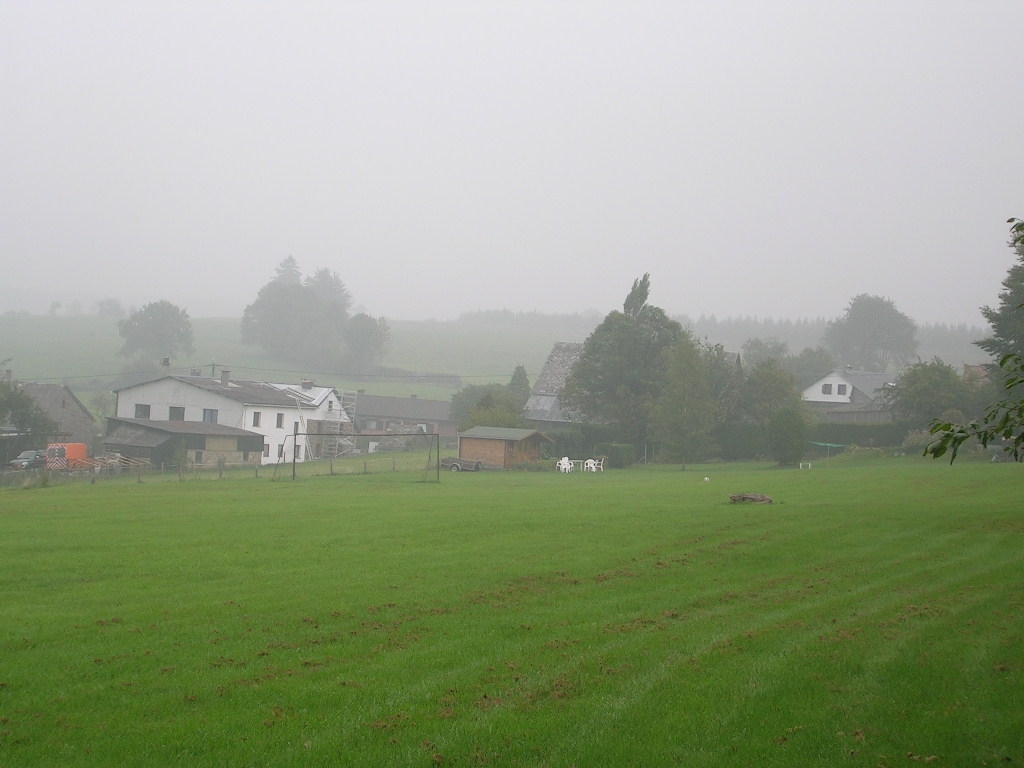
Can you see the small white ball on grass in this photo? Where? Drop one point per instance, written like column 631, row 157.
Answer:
column 706, row 479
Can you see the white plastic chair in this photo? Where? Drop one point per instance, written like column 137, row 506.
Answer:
column 590, row 465
column 598, row 464
column 564, row 464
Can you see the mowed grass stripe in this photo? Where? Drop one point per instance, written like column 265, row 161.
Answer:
column 634, row 617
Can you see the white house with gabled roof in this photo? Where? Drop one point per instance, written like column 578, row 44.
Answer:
column 301, row 421
column 846, row 395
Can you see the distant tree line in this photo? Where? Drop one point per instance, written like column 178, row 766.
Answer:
column 954, row 343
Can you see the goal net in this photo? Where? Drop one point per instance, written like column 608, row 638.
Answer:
column 415, row 454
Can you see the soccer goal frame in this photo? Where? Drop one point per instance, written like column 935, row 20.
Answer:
column 431, row 469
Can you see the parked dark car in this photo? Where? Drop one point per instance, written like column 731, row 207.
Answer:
column 28, row 460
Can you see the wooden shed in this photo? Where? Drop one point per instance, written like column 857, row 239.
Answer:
column 501, row 447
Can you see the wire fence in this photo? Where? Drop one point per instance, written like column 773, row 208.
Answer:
column 418, row 464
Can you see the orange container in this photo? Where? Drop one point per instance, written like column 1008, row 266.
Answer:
column 66, row 455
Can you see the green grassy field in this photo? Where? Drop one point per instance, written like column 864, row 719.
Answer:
column 872, row 616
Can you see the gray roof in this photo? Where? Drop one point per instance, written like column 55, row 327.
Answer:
column 543, row 404
column 866, row 389
column 186, row 427
column 253, row 392
column 413, row 408
column 868, row 382
column 561, row 359
column 503, row 433
column 136, row 436
column 54, row 398
column 74, row 421
column 153, row 434
column 543, row 408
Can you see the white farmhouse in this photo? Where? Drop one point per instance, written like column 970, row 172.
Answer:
column 850, row 396
column 300, row 421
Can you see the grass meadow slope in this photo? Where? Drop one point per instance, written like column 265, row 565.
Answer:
column 872, row 616
column 84, row 353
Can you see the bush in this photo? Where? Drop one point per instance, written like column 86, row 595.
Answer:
column 916, row 441
column 888, row 435
column 741, row 441
column 534, row 466
column 787, row 435
column 619, row 455
column 568, row 442
column 577, row 441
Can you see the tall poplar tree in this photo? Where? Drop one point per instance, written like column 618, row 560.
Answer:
column 622, row 367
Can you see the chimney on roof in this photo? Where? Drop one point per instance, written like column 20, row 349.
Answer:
column 225, row 376
column 307, row 383
column 166, row 362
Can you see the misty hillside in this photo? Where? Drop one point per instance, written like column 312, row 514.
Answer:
column 427, row 358
column 953, row 344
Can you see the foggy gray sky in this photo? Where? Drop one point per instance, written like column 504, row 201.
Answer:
column 769, row 159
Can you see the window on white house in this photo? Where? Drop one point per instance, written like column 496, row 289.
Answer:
column 280, row 451
column 266, row 450
column 141, row 411
column 826, row 389
column 256, row 418
column 210, row 415
column 176, row 413
column 840, row 389
column 280, row 421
